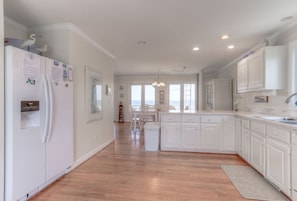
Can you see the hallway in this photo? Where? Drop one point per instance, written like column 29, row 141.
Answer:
column 125, row 172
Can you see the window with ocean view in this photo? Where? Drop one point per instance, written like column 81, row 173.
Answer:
column 142, row 94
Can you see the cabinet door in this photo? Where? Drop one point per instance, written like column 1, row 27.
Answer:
column 256, row 71
column 278, row 164
column 210, row 137
column 171, row 135
column 242, row 79
column 190, row 136
column 228, row 134
column 294, row 171
column 238, row 136
column 257, row 159
column 245, row 144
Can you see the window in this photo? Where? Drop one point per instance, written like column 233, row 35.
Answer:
column 149, row 95
column 174, row 96
column 142, row 94
column 182, row 96
column 136, row 96
column 189, row 97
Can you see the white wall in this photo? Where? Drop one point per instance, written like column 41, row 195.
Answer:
column 1, row 103
column 14, row 30
column 89, row 136
column 126, row 82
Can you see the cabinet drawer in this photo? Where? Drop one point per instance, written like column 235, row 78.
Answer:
column 258, row 127
column 190, row 118
column 245, row 123
column 211, row 119
column 294, row 137
column 171, row 118
column 279, row 133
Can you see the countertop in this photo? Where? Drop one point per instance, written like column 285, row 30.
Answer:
column 247, row 115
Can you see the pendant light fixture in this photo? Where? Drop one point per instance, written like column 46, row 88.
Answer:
column 158, row 83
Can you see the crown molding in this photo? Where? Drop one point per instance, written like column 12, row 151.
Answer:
column 15, row 23
column 72, row 27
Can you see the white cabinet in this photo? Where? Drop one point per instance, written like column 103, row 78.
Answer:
column 256, row 70
column 190, row 131
column 228, row 134
column 190, row 136
column 278, row 158
column 210, row 133
column 266, row 69
column 219, row 94
column 245, row 139
column 258, row 140
column 171, row 131
column 294, row 166
column 171, row 135
column 242, row 76
column 238, row 135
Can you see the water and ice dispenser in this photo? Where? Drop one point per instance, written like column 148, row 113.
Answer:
column 30, row 114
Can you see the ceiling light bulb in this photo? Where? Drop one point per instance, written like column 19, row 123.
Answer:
column 224, row 37
column 195, row 48
column 230, row 46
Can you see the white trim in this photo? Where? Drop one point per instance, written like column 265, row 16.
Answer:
column 15, row 23
column 90, row 154
column 72, row 27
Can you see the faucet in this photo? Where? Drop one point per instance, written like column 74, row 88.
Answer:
column 289, row 98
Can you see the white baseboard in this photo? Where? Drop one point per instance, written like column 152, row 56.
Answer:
column 90, row 154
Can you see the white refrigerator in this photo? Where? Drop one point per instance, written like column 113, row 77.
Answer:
column 38, row 122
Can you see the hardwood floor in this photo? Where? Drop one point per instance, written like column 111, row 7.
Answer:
column 125, row 172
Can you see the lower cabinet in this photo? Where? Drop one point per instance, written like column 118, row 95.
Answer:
column 210, row 137
column 238, row 136
column 278, row 164
column 171, row 136
column 257, row 156
column 190, row 136
column 245, row 144
column 294, row 165
column 204, row 133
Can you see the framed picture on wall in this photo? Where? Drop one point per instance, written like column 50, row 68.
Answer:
column 93, row 94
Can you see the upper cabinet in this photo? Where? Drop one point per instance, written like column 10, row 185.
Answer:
column 266, row 69
column 242, row 78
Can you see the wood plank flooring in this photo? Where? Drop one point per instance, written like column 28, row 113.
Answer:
column 125, row 172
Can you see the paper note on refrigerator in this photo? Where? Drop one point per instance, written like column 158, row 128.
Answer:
column 56, row 73
column 31, row 69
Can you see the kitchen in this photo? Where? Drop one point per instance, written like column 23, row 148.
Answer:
column 67, row 36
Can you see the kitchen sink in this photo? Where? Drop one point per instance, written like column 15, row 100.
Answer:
column 272, row 118
column 286, row 120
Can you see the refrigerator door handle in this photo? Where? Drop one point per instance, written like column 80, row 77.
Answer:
column 51, row 103
column 46, row 123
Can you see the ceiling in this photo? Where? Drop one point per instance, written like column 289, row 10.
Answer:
column 147, row 36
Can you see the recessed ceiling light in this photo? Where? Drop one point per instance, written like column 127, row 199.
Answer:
column 230, row 46
column 195, row 48
column 225, row 36
column 286, row 19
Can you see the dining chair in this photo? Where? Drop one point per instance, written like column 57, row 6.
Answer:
column 136, row 121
